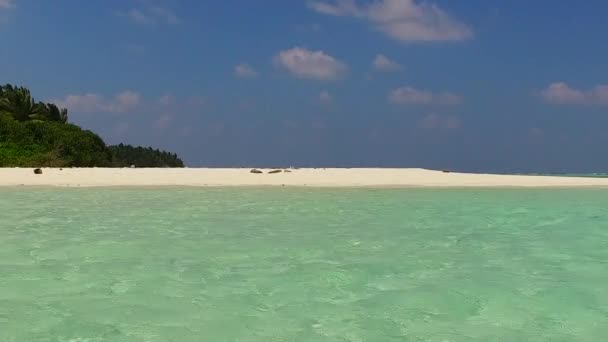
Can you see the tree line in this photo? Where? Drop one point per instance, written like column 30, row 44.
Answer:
column 125, row 155
column 38, row 134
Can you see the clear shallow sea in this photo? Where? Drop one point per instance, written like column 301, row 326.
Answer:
column 303, row 265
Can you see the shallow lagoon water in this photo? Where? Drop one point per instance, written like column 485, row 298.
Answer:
column 244, row 264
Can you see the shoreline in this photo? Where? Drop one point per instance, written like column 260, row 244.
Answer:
column 305, row 177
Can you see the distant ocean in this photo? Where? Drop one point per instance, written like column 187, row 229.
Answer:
column 289, row 264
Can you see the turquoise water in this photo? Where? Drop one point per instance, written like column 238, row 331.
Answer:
column 303, row 265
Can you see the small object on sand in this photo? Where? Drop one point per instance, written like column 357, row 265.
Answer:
column 446, row 171
column 38, row 171
column 275, row 171
column 255, row 171
column 287, row 171
column 132, row 166
column 60, row 169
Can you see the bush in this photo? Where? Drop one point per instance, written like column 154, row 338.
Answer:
column 51, row 144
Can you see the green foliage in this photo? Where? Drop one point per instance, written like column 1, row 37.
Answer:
column 15, row 155
column 51, row 144
column 19, row 103
column 34, row 134
column 54, row 113
column 127, row 155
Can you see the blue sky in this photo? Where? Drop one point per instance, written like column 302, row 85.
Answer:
column 480, row 85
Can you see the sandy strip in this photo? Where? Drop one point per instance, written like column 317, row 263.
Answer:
column 94, row 177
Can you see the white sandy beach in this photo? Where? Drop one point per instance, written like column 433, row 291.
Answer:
column 94, row 177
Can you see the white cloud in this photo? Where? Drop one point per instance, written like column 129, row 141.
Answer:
column 139, row 17
column 562, row 93
column 149, row 14
column 163, row 122
column 409, row 95
column 7, row 4
column 164, row 14
column 126, row 100
column 81, row 103
column 166, row 100
column 325, row 97
column 307, row 64
column 385, row 64
column 94, row 103
column 435, row 121
column 244, row 70
column 403, row 20
column 341, row 8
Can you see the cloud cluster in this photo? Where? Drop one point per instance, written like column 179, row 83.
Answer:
column 409, row 95
column 166, row 100
column 149, row 14
column 385, row 64
column 307, row 64
column 244, row 70
column 163, row 122
column 403, row 20
column 561, row 93
column 7, row 4
column 95, row 103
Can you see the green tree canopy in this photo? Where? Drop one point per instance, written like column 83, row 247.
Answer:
column 19, row 103
column 127, row 155
column 34, row 134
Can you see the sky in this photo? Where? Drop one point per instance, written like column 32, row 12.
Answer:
column 477, row 85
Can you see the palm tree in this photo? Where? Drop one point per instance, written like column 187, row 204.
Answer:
column 19, row 103
column 54, row 113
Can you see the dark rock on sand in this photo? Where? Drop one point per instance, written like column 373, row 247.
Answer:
column 38, row 171
column 276, row 171
column 255, row 171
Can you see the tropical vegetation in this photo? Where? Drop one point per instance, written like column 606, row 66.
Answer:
column 122, row 155
column 38, row 134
